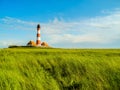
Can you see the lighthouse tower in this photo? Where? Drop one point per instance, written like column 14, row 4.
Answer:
column 38, row 41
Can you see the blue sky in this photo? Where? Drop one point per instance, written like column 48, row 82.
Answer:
column 65, row 23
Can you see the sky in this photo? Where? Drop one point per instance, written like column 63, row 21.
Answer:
column 64, row 23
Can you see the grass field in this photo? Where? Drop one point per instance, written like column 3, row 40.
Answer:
column 59, row 69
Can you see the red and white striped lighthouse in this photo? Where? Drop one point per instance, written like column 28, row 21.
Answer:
column 38, row 41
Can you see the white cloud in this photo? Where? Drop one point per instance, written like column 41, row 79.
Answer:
column 9, row 20
column 101, row 30
column 96, row 30
column 6, row 43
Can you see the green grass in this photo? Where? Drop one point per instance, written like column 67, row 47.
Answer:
column 59, row 69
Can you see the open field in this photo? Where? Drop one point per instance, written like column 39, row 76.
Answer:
column 59, row 69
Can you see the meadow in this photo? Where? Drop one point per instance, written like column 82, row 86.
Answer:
column 59, row 69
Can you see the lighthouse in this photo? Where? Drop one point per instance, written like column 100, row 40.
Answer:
column 38, row 41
